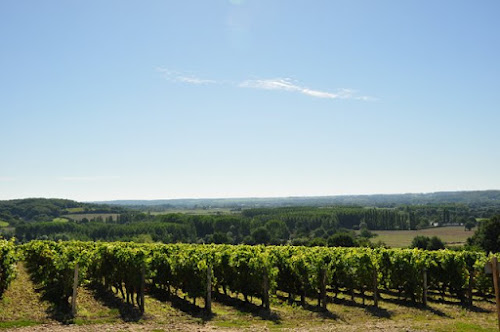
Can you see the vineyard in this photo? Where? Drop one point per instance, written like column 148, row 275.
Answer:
column 256, row 274
column 258, row 271
column 8, row 258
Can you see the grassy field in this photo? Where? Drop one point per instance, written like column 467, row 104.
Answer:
column 23, row 306
column 75, row 210
column 80, row 216
column 3, row 224
column 215, row 211
column 63, row 220
column 453, row 235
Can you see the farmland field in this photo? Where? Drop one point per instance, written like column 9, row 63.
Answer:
column 214, row 211
column 80, row 216
column 452, row 235
column 63, row 220
column 75, row 210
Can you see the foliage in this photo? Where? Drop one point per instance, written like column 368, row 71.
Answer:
column 52, row 264
column 254, row 270
column 8, row 258
column 342, row 240
column 44, row 209
column 428, row 243
column 487, row 236
column 274, row 225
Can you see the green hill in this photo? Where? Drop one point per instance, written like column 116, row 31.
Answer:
column 47, row 209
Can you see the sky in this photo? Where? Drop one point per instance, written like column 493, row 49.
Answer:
column 121, row 99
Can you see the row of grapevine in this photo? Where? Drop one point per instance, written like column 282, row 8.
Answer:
column 257, row 271
column 8, row 258
column 52, row 264
column 121, row 265
column 242, row 269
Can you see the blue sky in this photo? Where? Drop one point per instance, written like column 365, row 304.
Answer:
column 169, row 99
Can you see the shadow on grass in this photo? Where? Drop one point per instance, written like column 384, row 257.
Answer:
column 59, row 308
column 324, row 313
column 128, row 312
column 433, row 297
column 371, row 309
column 472, row 308
column 254, row 310
column 437, row 297
column 180, row 303
column 420, row 306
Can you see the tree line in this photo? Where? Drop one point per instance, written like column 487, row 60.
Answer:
column 286, row 225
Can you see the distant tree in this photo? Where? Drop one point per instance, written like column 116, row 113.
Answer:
column 342, row 240
column 277, row 229
column 427, row 243
column 365, row 233
column 364, row 242
column 423, row 223
column 487, row 236
column 143, row 238
column 435, row 243
column 261, row 235
column 317, row 241
column 220, row 238
column 248, row 240
column 469, row 225
column 420, row 242
column 319, row 233
column 300, row 241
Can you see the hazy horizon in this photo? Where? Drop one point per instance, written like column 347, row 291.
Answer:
column 220, row 99
column 254, row 197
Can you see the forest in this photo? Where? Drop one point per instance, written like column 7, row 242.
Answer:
column 56, row 219
column 486, row 199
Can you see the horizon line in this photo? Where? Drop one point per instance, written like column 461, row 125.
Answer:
column 258, row 197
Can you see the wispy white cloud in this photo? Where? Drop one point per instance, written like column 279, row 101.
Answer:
column 285, row 84
column 194, row 80
column 87, row 178
column 183, row 78
column 288, row 84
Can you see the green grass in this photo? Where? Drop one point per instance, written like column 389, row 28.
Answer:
column 63, row 220
column 215, row 211
column 80, row 216
column 453, row 235
column 17, row 323
column 20, row 304
column 3, row 224
column 465, row 327
column 75, row 210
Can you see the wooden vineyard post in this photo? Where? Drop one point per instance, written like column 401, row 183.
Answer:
column 375, row 287
column 323, row 289
column 494, row 268
column 75, row 286
column 143, row 285
column 265, row 295
column 471, row 284
column 424, row 287
column 208, row 299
